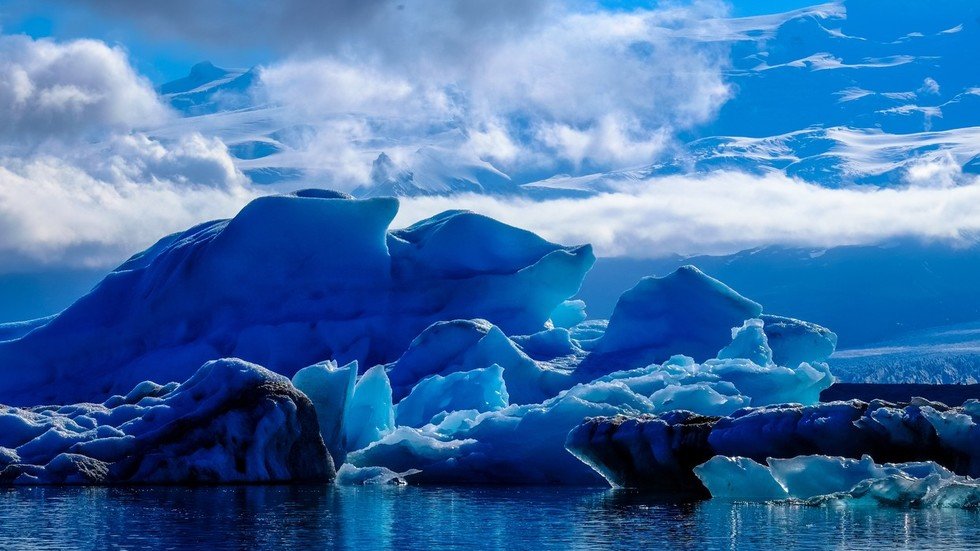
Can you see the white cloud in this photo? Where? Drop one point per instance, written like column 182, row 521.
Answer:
column 591, row 89
column 727, row 212
column 64, row 90
column 79, row 183
column 322, row 87
column 100, row 206
column 929, row 86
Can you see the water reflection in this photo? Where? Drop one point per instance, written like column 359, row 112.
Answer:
column 324, row 517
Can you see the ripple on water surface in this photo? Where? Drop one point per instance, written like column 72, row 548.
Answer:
column 450, row 518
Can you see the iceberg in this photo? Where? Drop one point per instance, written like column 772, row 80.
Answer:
column 525, row 443
column 463, row 358
column 290, row 281
column 371, row 413
column 739, row 478
column 231, row 422
column 686, row 312
column 520, row 444
column 478, row 390
column 822, row 480
column 331, row 389
column 620, row 447
column 349, row 475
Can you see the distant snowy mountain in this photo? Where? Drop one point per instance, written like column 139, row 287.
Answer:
column 433, row 172
column 209, row 89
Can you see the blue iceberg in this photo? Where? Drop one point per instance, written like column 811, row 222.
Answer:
column 230, row 422
column 822, row 480
column 290, row 281
column 449, row 351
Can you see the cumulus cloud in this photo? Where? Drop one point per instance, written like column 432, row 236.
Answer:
column 726, row 212
column 80, row 183
column 63, row 90
column 575, row 90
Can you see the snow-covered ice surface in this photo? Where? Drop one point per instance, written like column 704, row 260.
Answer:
column 231, row 422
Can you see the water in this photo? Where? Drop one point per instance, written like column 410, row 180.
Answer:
column 432, row 519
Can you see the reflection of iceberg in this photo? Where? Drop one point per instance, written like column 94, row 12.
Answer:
column 474, row 365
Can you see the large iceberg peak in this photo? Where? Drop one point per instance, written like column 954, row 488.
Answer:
column 686, row 312
column 290, row 281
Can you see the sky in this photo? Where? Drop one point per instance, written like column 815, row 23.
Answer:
column 95, row 165
column 162, row 54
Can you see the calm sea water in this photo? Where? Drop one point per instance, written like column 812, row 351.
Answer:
column 450, row 518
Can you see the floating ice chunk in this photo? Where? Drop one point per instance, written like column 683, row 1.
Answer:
column 331, row 389
column 349, row 475
column 465, row 345
column 479, row 389
column 900, row 490
column 808, row 476
column 620, row 448
column 686, row 312
column 406, row 448
column 568, row 314
column 720, row 398
column 821, row 480
column 657, row 453
column 231, row 422
column 794, row 341
column 739, row 478
column 371, row 414
column 749, row 342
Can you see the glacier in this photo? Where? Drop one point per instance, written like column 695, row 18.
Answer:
column 231, row 422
